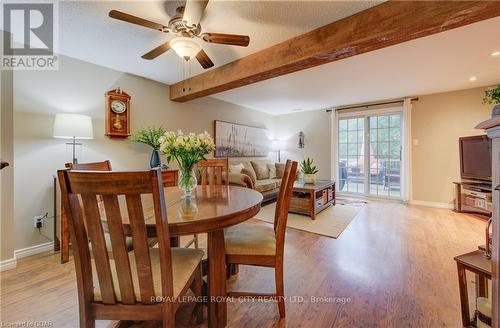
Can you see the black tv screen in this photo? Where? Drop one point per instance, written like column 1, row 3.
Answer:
column 475, row 157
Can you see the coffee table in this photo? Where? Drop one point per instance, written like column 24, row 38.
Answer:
column 312, row 198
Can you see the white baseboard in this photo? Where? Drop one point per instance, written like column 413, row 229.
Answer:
column 8, row 264
column 28, row 251
column 24, row 252
column 431, row 204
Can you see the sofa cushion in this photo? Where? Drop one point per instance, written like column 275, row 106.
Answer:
column 260, row 168
column 280, row 169
column 272, row 170
column 236, row 168
column 265, row 185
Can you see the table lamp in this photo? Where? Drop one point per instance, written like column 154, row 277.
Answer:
column 73, row 126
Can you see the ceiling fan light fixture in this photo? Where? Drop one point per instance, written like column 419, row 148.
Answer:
column 185, row 47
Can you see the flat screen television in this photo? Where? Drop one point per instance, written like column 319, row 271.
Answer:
column 475, row 158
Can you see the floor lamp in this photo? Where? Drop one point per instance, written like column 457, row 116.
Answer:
column 277, row 146
column 73, row 126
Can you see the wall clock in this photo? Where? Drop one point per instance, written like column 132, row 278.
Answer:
column 117, row 114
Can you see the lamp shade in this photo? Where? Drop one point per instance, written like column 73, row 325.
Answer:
column 186, row 48
column 73, row 126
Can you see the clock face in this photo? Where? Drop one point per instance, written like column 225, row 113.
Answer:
column 118, row 106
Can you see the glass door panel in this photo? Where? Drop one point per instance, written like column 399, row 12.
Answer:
column 351, row 154
column 375, row 160
column 385, row 155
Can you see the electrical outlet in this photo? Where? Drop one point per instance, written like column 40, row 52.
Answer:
column 38, row 221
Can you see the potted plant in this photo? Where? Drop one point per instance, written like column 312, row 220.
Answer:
column 151, row 137
column 309, row 171
column 492, row 97
column 187, row 150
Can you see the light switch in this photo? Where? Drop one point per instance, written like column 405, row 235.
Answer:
column 415, row 142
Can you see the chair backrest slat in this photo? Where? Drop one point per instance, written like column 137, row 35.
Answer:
column 105, row 188
column 141, row 247
column 214, row 171
column 219, row 175
column 281, row 194
column 119, row 248
column 99, row 250
column 281, row 214
column 203, row 175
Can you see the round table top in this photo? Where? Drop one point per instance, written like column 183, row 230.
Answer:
column 212, row 208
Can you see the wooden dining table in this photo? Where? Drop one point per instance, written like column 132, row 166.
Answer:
column 211, row 210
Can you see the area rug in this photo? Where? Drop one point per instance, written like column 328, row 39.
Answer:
column 331, row 222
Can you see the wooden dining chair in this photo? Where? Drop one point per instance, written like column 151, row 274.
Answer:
column 214, row 171
column 143, row 284
column 90, row 166
column 263, row 245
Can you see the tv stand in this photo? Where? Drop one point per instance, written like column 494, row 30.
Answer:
column 473, row 197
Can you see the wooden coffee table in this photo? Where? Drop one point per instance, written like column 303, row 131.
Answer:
column 310, row 199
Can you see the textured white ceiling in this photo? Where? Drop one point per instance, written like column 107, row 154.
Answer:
column 438, row 63
column 87, row 33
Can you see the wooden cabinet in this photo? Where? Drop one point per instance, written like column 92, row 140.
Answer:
column 492, row 128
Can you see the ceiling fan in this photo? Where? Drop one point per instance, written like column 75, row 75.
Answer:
column 185, row 25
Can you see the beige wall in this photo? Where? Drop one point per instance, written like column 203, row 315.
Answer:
column 316, row 126
column 438, row 121
column 79, row 87
column 7, row 174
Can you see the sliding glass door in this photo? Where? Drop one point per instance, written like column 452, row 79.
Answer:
column 370, row 154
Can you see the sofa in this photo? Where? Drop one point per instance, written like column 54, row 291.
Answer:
column 261, row 175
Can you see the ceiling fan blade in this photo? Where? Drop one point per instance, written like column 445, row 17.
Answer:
column 193, row 12
column 157, row 51
column 137, row 20
column 204, row 60
column 231, row 39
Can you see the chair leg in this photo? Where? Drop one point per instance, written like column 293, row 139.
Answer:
column 280, row 289
column 196, row 287
column 168, row 316
column 196, row 241
column 87, row 322
column 84, row 313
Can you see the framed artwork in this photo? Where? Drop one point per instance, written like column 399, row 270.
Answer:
column 237, row 140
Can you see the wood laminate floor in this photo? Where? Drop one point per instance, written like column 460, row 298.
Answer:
column 392, row 267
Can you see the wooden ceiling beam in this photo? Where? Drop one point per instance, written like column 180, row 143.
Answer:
column 381, row 26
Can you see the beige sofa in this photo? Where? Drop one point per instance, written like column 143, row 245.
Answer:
column 261, row 175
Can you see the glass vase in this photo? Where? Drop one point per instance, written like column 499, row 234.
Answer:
column 187, row 181
column 155, row 159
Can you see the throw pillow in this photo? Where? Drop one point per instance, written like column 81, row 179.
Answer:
column 261, row 170
column 236, row 168
column 251, row 174
column 272, row 170
column 280, row 169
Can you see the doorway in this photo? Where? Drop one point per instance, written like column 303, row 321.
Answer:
column 370, row 153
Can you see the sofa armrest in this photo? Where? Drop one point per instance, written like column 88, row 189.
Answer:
column 239, row 179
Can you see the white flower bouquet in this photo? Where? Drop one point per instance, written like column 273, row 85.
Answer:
column 187, row 150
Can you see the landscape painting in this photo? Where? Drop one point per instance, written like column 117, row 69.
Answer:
column 236, row 140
